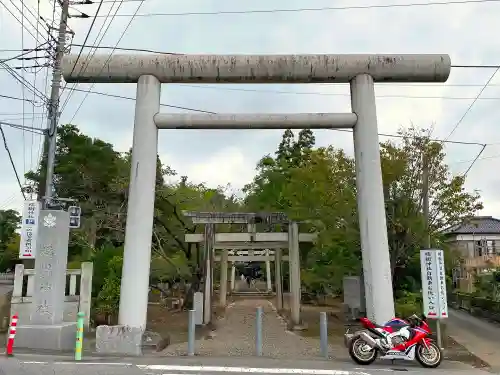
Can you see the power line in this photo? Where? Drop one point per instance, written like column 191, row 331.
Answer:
column 22, row 127
column 431, row 139
column 129, row 49
column 87, row 36
column 6, row 146
column 24, row 82
column 19, row 21
column 473, row 102
column 131, row 98
column 477, row 66
column 211, row 112
column 322, row 9
column 183, row 54
column 474, row 161
column 92, row 53
column 335, row 94
column 39, row 48
column 111, row 54
column 14, row 98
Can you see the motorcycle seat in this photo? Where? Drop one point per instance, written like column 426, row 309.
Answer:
column 398, row 326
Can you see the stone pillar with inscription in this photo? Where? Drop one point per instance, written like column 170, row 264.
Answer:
column 46, row 329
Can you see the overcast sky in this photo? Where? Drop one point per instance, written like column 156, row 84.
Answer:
column 467, row 32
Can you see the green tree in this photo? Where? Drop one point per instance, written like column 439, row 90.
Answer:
column 450, row 203
column 319, row 186
column 108, row 299
column 90, row 171
column 273, row 173
column 9, row 239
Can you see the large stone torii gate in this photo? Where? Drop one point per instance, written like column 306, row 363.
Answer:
column 360, row 71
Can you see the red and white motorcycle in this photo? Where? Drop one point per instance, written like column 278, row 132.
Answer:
column 397, row 339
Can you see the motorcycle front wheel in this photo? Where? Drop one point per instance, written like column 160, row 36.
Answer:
column 430, row 356
column 361, row 353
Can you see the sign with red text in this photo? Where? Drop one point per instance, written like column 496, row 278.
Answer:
column 433, row 284
column 29, row 229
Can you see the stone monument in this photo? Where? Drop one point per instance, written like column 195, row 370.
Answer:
column 46, row 329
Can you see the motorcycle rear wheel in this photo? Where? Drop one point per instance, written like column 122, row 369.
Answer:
column 430, row 357
column 359, row 354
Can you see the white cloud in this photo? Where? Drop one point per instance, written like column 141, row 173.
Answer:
column 227, row 165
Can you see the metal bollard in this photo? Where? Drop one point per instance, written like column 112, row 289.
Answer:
column 323, row 334
column 79, row 336
column 191, row 332
column 258, row 333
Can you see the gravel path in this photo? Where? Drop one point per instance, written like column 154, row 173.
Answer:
column 235, row 335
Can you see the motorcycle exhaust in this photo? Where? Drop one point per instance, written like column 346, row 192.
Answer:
column 370, row 341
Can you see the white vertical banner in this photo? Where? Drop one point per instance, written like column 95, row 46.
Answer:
column 29, row 229
column 441, row 276
column 429, row 283
column 433, row 283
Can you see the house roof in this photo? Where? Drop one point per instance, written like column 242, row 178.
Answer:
column 477, row 224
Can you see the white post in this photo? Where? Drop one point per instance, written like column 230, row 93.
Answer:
column 208, row 248
column 278, row 279
column 137, row 253
column 86, row 291
column 268, row 273
column 223, row 278
column 371, row 208
column 233, row 276
column 294, row 262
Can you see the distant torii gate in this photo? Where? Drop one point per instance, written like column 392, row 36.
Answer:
column 252, row 240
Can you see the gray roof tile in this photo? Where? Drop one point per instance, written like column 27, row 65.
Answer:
column 477, row 224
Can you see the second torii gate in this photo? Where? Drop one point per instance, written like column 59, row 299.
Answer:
column 252, row 240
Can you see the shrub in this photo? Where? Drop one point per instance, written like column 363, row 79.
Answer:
column 408, row 304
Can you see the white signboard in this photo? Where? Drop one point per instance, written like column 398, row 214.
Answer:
column 433, row 284
column 29, row 229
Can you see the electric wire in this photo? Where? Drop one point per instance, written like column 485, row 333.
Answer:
column 92, row 53
column 14, row 98
column 87, row 36
column 26, row 52
column 34, row 96
column 473, row 102
column 6, row 146
column 46, row 85
column 25, row 129
column 23, row 86
column 320, row 9
column 19, row 21
column 25, row 83
column 211, row 112
column 389, row 96
column 109, row 58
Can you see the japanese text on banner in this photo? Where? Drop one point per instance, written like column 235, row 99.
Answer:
column 29, row 230
column 429, row 283
column 443, row 302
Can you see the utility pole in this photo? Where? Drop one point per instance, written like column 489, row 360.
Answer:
column 425, row 198
column 53, row 105
column 425, row 212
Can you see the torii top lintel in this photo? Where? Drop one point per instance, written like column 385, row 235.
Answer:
column 127, row 68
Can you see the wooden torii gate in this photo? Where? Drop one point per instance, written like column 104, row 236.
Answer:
column 222, row 243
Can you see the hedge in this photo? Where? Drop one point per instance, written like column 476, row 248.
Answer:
column 479, row 306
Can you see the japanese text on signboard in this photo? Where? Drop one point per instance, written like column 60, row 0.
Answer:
column 433, row 283
column 443, row 306
column 29, row 228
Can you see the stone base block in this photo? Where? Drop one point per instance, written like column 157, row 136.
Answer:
column 119, row 339
column 59, row 337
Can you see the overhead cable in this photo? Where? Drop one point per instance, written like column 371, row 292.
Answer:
column 321, row 9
